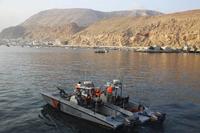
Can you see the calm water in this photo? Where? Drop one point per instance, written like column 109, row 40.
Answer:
column 165, row 82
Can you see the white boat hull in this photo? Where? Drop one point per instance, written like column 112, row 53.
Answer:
column 81, row 112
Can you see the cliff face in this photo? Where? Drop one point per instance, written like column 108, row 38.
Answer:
column 176, row 30
column 62, row 23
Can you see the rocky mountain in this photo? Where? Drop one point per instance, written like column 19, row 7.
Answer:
column 121, row 28
column 177, row 30
column 62, row 23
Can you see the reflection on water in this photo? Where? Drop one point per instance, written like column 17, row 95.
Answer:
column 165, row 82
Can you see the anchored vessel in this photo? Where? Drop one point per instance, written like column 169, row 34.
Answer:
column 101, row 51
column 92, row 104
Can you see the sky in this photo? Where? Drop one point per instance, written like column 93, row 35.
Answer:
column 14, row 12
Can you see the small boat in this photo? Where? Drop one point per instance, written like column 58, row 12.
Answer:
column 101, row 51
column 82, row 105
column 87, row 104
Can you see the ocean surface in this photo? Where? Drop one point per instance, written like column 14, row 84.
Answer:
column 168, row 83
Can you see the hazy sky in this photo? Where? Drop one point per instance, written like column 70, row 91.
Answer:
column 13, row 12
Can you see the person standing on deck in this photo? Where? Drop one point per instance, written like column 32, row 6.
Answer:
column 109, row 91
column 77, row 88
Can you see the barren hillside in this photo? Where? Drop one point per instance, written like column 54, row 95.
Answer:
column 62, row 23
column 176, row 29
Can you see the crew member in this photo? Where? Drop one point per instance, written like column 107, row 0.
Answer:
column 141, row 108
column 78, row 86
column 98, row 92
column 77, row 89
column 109, row 91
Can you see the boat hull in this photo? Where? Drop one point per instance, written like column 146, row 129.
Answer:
column 80, row 112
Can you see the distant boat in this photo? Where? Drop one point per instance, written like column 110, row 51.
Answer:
column 37, row 47
column 101, row 51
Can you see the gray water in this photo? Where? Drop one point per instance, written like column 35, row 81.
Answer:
column 168, row 83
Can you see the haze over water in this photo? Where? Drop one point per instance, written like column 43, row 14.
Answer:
column 165, row 82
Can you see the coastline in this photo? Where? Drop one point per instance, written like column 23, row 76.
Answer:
column 144, row 49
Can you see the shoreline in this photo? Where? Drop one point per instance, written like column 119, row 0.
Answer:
column 149, row 49
column 156, row 49
column 143, row 49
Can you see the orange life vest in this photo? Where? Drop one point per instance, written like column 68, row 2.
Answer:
column 109, row 90
column 98, row 92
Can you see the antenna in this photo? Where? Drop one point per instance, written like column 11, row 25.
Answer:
column 122, row 81
column 85, row 75
column 85, row 72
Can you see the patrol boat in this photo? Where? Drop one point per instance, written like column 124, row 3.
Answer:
column 91, row 103
column 84, row 103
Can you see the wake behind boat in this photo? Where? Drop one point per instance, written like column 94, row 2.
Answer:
column 100, row 106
